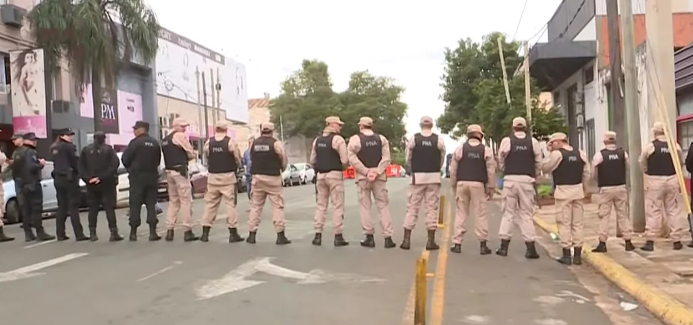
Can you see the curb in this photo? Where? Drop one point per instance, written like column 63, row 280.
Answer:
column 666, row 308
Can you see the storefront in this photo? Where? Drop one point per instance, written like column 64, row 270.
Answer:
column 683, row 66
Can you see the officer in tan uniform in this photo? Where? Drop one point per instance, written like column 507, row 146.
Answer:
column 472, row 175
column 224, row 159
column 369, row 154
column 571, row 171
column 269, row 160
column 328, row 157
column 425, row 155
column 610, row 169
column 519, row 157
column 3, row 237
column 177, row 153
column 662, row 192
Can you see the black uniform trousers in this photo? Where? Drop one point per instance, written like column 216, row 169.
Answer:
column 31, row 203
column 102, row 195
column 143, row 190
column 68, row 195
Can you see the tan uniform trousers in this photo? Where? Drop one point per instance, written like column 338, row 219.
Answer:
column 470, row 196
column 265, row 187
column 662, row 200
column 569, row 222
column 330, row 188
column 180, row 200
column 429, row 195
column 220, row 186
column 517, row 207
column 616, row 197
column 378, row 189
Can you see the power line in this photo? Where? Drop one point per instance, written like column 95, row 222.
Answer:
column 522, row 14
column 582, row 4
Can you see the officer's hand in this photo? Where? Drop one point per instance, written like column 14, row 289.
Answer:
column 489, row 193
column 372, row 176
column 94, row 180
column 9, row 161
column 42, row 161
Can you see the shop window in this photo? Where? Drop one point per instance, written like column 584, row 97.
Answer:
column 685, row 138
column 5, row 80
column 589, row 75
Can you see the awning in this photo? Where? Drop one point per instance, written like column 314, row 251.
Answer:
column 554, row 62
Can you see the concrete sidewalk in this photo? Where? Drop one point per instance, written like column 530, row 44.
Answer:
column 662, row 281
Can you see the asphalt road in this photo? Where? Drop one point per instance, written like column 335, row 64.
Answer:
column 181, row 283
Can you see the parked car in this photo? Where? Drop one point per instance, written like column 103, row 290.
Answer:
column 241, row 186
column 198, row 178
column 306, row 171
column 123, row 187
column 291, row 176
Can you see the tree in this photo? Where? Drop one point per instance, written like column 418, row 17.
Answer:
column 96, row 37
column 474, row 92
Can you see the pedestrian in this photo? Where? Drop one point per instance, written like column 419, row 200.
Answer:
column 520, row 158
column 329, row 157
column 98, row 167
column 425, row 155
column 268, row 161
column 472, row 177
column 571, row 172
column 369, row 154
column 142, row 158
column 31, row 190
column 610, row 172
column 223, row 157
column 15, row 163
column 177, row 154
column 246, row 167
column 3, row 236
column 66, row 182
column 662, row 191
column 689, row 167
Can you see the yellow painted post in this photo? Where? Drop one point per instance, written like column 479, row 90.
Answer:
column 420, row 295
column 441, row 213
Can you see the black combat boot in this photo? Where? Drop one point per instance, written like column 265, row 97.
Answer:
column 3, row 237
column 169, row 235
column 29, row 235
column 81, row 237
column 115, row 236
column 406, row 240
column 317, row 240
column 368, row 241
column 41, row 235
column 456, row 248
column 531, row 252
column 389, row 243
column 61, row 237
column 339, row 241
column 629, row 245
column 153, row 236
column 483, row 248
column 205, row 234
column 649, row 246
column 601, row 248
column 281, row 239
column 133, row 233
column 251, row 237
column 566, row 259
column 234, row 237
column 503, row 250
column 92, row 234
column 189, row 236
column 678, row 246
column 431, row 243
column 577, row 255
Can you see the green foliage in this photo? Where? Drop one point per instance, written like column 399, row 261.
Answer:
column 399, row 158
column 307, row 98
column 474, row 92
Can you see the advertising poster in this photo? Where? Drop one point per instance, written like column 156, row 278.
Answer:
column 28, row 92
column 109, row 111
column 234, row 91
column 129, row 111
column 86, row 102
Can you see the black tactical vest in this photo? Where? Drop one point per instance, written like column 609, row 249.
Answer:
column 520, row 159
column 174, row 156
column 326, row 158
column 371, row 150
column 425, row 158
column 472, row 166
column 265, row 160
column 612, row 170
column 220, row 159
column 569, row 171
column 659, row 162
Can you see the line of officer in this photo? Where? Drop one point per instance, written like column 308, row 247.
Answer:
column 223, row 162
column 177, row 154
column 425, row 155
column 31, row 191
column 3, row 237
column 610, row 169
column 661, row 189
column 571, row 172
column 519, row 157
column 98, row 167
column 66, row 182
column 473, row 170
column 142, row 158
column 369, row 154
column 329, row 157
column 268, row 161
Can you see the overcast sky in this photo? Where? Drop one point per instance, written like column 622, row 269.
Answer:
column 401, row 39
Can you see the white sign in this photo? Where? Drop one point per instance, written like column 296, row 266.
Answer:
column 236, row 280
column 233, row 92
column 31, row 270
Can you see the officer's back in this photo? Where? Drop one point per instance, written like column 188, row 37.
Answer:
column 64, row 154
column 99, row 160
column 143, row 154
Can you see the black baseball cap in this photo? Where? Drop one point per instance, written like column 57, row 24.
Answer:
column 65, row 131
column 141, row 124
column 16, row 136
column 29, row 136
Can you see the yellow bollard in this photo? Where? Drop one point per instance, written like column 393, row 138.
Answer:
column 420, row 295
column 441, row 213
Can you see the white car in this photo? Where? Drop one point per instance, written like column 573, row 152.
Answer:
column 306, row 171
column 291, row 176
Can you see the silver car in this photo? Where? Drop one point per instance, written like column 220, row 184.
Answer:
column 291, row 176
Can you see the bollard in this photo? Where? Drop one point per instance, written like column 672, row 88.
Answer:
column 441, row 213
column 420, row 295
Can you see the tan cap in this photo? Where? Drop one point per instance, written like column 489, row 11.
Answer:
column 609, row 135
column 180, row 122
column 269, row 126
column 474, row 128
column 222, row 125
column 558, row 136
column 426, row 120
column 334, row 119
column 519, row 121
column 658, row 127
column 366, row 121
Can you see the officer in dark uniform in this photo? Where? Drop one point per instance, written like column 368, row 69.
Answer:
column 142, row 158
column 31, row 190
column 66, row 175
column 15, row 163
column 98, row 165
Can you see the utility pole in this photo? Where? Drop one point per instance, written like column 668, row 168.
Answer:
column 204, row 96
column 637, row 201
column 618, row 123
column 659, row 63
column 199, row 112
column 281, row 129
column 505, row 73
column 214, row 101
column 528, row 90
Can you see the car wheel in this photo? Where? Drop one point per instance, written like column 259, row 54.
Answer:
column 12, row 212
column 304, row 180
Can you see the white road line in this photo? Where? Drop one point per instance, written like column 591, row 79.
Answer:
column 40, row 244
column 30, row 271
column 164, row 270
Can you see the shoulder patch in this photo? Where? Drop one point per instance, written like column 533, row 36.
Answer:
column 55, row 151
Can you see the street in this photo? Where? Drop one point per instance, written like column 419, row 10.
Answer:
column 177, row 283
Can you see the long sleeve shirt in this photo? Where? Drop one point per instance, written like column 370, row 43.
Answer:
column 568, row 192
column 651, row 181
column 339, row 145
column 361, row 170
column 425, row 178
column 504, row 150
column 488, row 157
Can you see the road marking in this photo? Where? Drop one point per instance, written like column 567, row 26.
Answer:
column 438, row 292
column 31, row 270
column 164, row 270
column 40, row 244
column 232, row 281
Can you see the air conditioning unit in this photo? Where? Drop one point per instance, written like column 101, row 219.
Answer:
column 12, row 15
